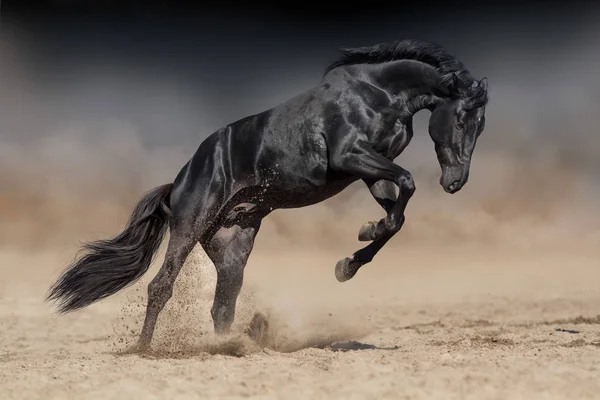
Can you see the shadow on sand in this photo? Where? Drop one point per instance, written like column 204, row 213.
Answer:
column 257, row 337
column 354, row 345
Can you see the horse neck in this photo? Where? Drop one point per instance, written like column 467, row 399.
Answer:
column 415, row 86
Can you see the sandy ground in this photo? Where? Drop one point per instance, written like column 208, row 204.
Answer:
column 454, row 322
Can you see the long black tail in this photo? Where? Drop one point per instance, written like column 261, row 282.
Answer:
column 111, row 265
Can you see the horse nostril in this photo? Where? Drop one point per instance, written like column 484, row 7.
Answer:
column 453, row 186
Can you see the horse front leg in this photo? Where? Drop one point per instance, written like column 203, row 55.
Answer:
column 372, row 167
column 384, row 192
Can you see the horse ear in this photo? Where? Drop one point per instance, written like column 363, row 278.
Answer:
column 484, row 83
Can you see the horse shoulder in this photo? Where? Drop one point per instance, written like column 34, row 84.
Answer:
column 403, row 134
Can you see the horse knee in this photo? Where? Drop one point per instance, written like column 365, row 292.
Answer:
column 407, row 185
column 394, row 225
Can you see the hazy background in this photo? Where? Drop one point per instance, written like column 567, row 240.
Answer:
column 101, row 102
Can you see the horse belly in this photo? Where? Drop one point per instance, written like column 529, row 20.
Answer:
column 298, row 199
column 301, row 178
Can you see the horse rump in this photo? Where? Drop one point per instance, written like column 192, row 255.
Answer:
column 111, row 265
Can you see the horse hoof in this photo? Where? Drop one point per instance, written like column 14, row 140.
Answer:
column 258, row 329
column 343, row 272
column 141, row 347
column 367, row 231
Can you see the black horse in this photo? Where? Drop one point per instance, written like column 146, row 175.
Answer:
column 351, row 126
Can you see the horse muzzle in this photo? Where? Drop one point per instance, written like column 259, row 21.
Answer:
column 454, row 178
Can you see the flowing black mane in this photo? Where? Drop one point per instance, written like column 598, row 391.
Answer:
column 432, row 54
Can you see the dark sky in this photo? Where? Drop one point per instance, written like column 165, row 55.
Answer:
column 331, row 10
column 179, row 70
column 204, row 38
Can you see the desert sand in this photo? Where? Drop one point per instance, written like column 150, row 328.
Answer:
column 483, row 309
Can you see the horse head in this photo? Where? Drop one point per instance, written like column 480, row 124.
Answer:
column 455, row 126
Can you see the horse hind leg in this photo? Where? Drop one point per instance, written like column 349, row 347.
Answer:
column 229, row 250
column 189, row 224
column 160, row 289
